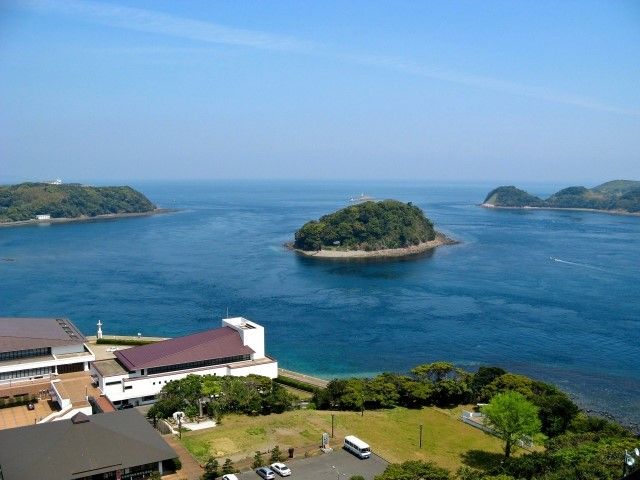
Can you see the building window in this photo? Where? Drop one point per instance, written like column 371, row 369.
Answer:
column 118, row 382
column 129, row 387
column 200, row 364
column 32, row 372
column 33, row 352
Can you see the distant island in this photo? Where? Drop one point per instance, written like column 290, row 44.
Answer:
column 388, row 228
column 617, row 196
column 56, row 202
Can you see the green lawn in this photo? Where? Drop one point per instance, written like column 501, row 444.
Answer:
column 393, row 434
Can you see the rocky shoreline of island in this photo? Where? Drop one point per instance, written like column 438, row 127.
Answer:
column 86, row 218
column 560, row 209
column 440, row 240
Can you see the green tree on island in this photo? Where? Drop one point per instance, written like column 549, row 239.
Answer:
column 512, row 416
column 367, row 226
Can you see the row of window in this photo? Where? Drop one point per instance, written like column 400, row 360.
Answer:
column 33, row 352
column 202, row 363
column 133, row 473
column 32, row 372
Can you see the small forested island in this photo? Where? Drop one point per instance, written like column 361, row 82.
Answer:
column 33, row 202
column 388, row 228
column 617, row 196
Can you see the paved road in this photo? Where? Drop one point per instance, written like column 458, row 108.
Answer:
column 322, row 467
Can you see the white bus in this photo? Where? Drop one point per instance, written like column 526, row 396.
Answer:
column 356, row 446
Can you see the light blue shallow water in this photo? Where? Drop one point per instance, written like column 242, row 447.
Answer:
column 555, row 295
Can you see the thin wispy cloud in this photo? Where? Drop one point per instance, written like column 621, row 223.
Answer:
column 164, row 24
column 171, row 25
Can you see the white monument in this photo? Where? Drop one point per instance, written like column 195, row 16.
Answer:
column 99, row 334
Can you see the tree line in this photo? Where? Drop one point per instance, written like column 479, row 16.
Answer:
column 443, row 384
column 214, row 396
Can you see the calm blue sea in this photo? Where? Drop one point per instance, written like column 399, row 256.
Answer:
column 555, row 295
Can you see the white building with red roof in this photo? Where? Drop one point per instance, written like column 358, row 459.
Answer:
column 137, row 374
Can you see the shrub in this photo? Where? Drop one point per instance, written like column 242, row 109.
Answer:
column 276, row 455
column 228, row 467
column 258, row 461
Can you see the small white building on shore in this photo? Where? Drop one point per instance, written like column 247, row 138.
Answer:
column 137, row 374
column 43, row 217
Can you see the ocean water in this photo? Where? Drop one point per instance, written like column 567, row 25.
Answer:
column 551, row 294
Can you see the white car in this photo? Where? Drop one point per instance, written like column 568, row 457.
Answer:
column 281, row 469
column 229, row 476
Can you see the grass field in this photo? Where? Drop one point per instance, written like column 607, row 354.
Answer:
column 393, row 434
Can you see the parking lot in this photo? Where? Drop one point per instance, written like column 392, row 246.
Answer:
column 336, row 465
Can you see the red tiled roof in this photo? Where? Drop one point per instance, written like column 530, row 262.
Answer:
column 209, row 345
column 104, row 404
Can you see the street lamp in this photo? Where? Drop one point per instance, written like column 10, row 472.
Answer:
column 179, row 415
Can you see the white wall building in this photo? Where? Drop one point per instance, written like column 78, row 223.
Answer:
column 40, row 348
column 137, row 374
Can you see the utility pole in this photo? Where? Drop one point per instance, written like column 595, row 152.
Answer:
column 333, row 417
column 420, row 435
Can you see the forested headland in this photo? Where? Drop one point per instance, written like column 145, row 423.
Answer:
column 24, row 201
column 617, row 196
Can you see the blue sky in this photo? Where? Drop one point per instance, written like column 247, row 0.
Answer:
column 480, row 91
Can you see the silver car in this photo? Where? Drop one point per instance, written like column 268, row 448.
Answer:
column 266, row 473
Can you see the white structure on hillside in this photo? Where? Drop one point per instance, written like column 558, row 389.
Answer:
column 43, row 217
column 137, row 374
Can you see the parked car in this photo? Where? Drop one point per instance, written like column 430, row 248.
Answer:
column 266, row 473
column 229, row 476
column 281, row 469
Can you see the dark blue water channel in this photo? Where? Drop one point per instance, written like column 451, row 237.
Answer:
column 552, row 294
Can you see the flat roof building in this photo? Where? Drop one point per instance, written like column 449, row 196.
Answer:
column 36, row 348
column 120, row 445
column 137, row 374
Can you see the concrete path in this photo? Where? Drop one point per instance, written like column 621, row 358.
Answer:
column 318, row 382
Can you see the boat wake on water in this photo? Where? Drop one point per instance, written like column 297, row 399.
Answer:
column 576, row 264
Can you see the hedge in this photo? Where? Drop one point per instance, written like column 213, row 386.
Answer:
column 300, row 385
column 17, row 401
column 124, row 341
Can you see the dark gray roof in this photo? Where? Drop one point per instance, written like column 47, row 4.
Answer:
column 27, row 333
column 109, row 367
column 81, row 446
column 208, row 345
